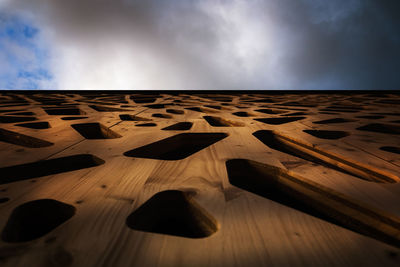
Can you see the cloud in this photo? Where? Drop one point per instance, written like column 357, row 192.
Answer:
column 218, row 44
column 22, row 58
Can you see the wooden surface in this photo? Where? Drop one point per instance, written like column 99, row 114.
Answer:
column 172, row 202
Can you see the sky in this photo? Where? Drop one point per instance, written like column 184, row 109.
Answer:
column 195, row 45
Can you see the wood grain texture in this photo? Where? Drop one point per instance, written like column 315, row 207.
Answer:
column 208, row 221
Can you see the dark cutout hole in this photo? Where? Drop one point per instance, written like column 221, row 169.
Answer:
column 388, row 113
column 220, row 99
column 106, row 109
column 243, row 114
column 54, row 103
column 180, row 126
column 339, row 110
column 298, row 104
column 196, row 109
column 175, row 213
column 35, row 125
column 159, row 115
column 391, row 149
column 325, row 134
column 4, row 199
column 47, row 167
column 271, row 111
column 296, row 114
column 8, row 110
column 176, row 147
column 175, row 111
column 277, row 121
column 287, row 109
column 278, row 185
column 203, row 110
column 127, row 106
column 264, row 100
column 213, row 106
column 102, row 103
column 329, row 113
column 372, row 117
column 22, row 113
column 335, row 120
column 143, row 100
column 95, row 131
column 157, row 106
column 220, row 122
column 22, row 140
column 65, row 111
column 128, row 117
column 12, row 119
column 35, row 219
column 380, row 128
column 346, row 107
column 15, row 105
column 151, row 124
column 272, row 141
column 389, row 101
column 73, row 118
column 242, row 107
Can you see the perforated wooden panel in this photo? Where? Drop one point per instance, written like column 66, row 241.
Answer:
column 199, row 179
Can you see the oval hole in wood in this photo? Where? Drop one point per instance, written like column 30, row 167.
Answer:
column 35, row 219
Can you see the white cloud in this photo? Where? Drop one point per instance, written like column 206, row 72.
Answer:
column 126, row 45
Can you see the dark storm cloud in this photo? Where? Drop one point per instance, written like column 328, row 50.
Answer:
column 254, row 44
column 359, row 50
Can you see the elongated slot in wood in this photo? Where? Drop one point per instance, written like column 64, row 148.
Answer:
column 13, row 119
column 107, row 109
column 175, row 111
column 278, row 121
column 22, row 140
column 176, row 147
column 310, row 197
column 310, row 152
column 129, row 117
column 47, row 167
column 203, row 109
column 221, row 122
column 150, row 124
column 64, row 111
column 335, row 120
column 391, row 149
column 160, row 115
column 380, row 128
column 73, row 118
column 325, row 134
column 180, row 126
column 35, row 125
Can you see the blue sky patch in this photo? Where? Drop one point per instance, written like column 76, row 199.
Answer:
column 24, row 55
